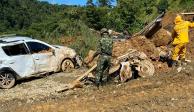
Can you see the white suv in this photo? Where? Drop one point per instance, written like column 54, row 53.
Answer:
column 23, row 57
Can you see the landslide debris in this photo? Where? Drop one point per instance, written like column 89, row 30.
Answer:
column 161, row 38
column 140, row 43
column 157, row 44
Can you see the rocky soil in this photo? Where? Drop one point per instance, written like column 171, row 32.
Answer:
column 168, row 92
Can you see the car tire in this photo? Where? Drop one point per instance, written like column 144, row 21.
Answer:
column 67, row 65
column 7, row 80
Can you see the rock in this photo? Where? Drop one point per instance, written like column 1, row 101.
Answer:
column 90, row 60
column 161, row 38
column 89, row 57
column 179, row 69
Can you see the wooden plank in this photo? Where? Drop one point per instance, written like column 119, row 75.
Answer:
column 188, row 13
column 85, row 74
column 77, row 83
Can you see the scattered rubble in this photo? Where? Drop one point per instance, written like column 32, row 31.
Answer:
column 146, row 46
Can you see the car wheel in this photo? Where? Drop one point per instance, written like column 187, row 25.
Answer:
column 7, row 80
column 67, row 65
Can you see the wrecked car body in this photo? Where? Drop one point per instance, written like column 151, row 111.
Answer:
column 126, row 64
column 23, row 57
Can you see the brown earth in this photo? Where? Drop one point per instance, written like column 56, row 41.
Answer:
column 170, row 92
column 190, row 46
column 161, row 38
column 140, row 43
column 168, row 21
column 66, row 41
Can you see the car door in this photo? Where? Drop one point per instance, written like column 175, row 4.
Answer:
column 19, row 59
column 42, row 55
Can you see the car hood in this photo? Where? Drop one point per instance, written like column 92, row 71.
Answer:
column 66, row 50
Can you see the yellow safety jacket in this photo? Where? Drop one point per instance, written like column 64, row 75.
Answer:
column 182, row 31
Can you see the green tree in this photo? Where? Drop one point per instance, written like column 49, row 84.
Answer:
column 90, row 3
column 104, row 3
column 92, row 18
column 162, row 6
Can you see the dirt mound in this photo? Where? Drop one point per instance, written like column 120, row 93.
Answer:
column 169, row 17
column 190, row 46
column 161, row 38
column 168, row 21
column 67, row 40
column 142, row 44
column 139, row 43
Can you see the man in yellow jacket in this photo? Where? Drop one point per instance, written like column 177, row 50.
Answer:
column 181, row 38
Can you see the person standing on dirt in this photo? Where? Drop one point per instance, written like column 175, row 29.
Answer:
column 180, row 39
column 104, row 62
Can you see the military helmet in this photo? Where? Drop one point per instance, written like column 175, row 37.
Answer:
column 110, row 32
column 103, row 30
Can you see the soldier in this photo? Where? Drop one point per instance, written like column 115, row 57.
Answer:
column 104, row 62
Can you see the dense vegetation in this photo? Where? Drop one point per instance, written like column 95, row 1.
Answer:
column 55, row 22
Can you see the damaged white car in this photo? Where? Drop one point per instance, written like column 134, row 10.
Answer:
column 23, row 57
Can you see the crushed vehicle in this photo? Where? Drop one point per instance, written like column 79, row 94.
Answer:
column 137, row 61
column 23, row 57
column 126, row 67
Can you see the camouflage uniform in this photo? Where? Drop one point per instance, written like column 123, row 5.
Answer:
column 105, row 51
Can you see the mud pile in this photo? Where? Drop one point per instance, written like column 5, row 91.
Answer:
column 190, row 46
column 158, row 42
column 142, row 44
column 66, row 41
column 161, row 38
column 139, row 43
column 168, row 21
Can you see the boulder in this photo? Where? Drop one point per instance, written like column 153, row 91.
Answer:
column 161, row 38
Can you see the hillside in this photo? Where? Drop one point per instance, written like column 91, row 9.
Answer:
column 78, row 27
column 58, row 23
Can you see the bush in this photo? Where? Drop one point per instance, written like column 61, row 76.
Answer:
column 86, row 41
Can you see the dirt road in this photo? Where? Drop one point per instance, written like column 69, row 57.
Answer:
column 36, row 89
column 161, row 93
